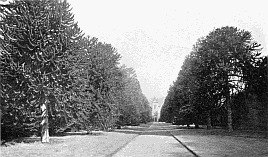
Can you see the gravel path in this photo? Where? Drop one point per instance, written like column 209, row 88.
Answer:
column 153, row 146
column 154, row 142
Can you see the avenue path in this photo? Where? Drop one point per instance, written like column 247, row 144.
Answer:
column 153, row 142
column 162, row 139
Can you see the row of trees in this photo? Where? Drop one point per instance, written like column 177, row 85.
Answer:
column 54, row 78
column 223, row 81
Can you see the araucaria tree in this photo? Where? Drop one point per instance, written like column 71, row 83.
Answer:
column 216, row 70
column 55, row 78
column 37, row 36
column 225, row 51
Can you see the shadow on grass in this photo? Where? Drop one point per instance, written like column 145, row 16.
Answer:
column 165, row 130
column 92, row 133
column 29, row 140
column 220, row 132
column 54, row 139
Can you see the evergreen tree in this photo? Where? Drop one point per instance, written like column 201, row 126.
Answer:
column 34, row 35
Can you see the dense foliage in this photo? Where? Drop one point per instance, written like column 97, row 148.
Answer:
column 47, row 61
column 223, row 81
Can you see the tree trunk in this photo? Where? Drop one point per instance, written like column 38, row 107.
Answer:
column 228, row 103
column 229, row 113
column 196, row 123
column 267, row 104
column 267, row 116
column 44, row 124
column 267, row 99
column 209, row 121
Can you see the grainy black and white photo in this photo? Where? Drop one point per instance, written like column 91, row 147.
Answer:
column 133, row 78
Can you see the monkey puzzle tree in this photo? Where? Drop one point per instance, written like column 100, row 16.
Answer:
column 38, row 36
column 223, row 52
column 133, row 106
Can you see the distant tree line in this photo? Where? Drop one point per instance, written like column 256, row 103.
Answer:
column 54, row 78
column 222, row 82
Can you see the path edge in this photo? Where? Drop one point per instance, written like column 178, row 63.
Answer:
column 124, row 145
column 191, row 151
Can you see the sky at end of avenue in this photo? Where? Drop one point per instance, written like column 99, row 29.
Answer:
column 154, row 36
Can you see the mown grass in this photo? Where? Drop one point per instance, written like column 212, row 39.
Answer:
column 69, row 146
column 96, row 144
column 222, row 132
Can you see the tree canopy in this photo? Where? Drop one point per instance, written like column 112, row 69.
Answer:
column 213, row 76
column 55, row 77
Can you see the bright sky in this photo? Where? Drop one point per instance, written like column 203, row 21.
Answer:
column 154, row 36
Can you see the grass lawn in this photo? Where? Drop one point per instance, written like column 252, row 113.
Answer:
column 220, row 142
column 102, row 144
column 222, row 132
column 96, row 144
